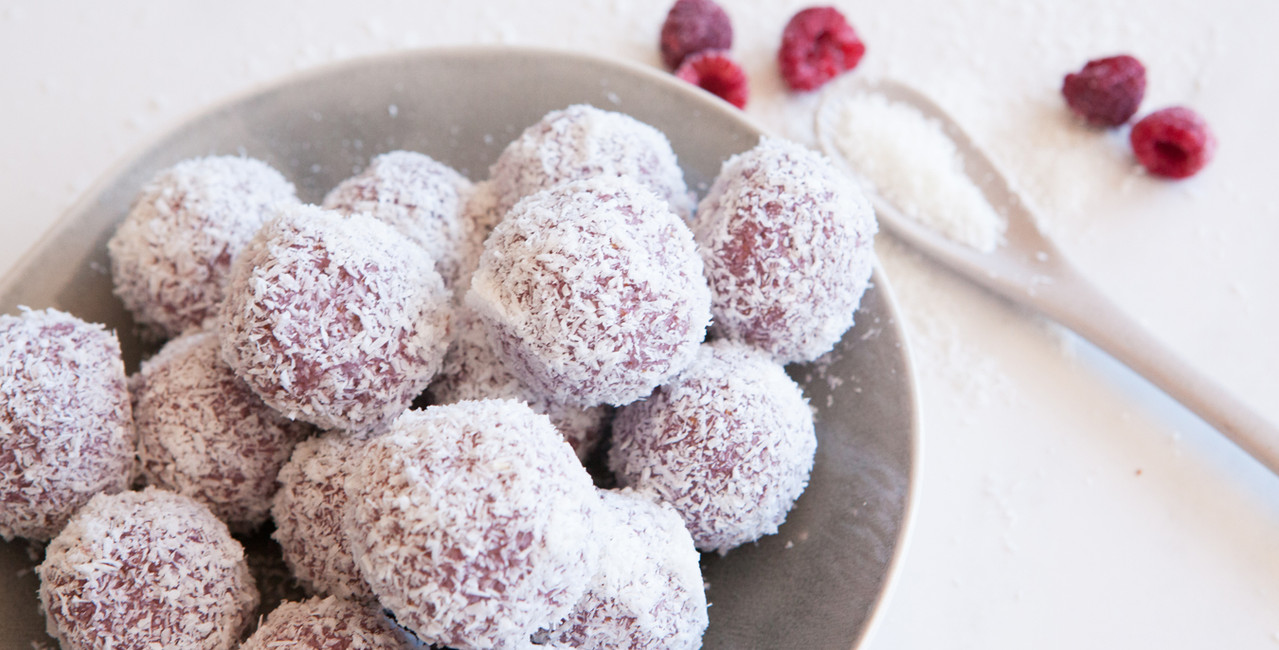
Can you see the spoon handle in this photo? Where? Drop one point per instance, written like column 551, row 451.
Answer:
column 1074, row 302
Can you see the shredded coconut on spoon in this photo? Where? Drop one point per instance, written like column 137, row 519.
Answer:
column 913, row 164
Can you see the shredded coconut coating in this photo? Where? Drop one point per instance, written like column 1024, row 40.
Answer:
column 473, row 523
column 203, row 433
column 338, row 321
column 481, row 213
column 148, row 569
column 308, row 510
column 788, row 243
column 417, row 195
column 473, row 370
column 593, row 292
column 172, row 255
column 649, row 593
column 729, row 444
column 581, row 142
column 66, row 427
column 328, row 624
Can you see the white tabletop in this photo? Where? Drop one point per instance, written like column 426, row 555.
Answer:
column 1064, row 503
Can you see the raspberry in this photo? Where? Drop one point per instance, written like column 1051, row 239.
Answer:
column 1107, row 91
column 693, row 26
column 1173, row 142
column 716, row 72
column 817, row 44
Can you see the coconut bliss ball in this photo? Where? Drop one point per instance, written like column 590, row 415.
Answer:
column 203, row 433
column 788, row 244
column 592, row 291
column 729, row 443
column 580, row 142
column 648, row 594
column 308, row 510
column 473, row 523
column 172, row 255
column 148, row 569
column 66, row 427
column 328, row 624
column 417, row 195
column 338, row 321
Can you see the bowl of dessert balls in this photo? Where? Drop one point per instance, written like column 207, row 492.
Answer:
column 462, row 348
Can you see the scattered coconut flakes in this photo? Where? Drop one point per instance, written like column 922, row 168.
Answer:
column 915, row 166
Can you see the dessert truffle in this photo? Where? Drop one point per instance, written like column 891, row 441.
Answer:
column 328, row 624
column 473, row 523
column 480, row 213
column 308, row 510
column 592, row 291
column 729, row 443
column 148, row 569
column 417, row 195
column 648, row 594
column 788, row 245
column 66, row 428
column 203, row 433
column 172, row 255
column 581, row 142
column 338, row 321
column 473, row 370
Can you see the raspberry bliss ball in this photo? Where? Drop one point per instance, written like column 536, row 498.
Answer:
column 338, row 321
column 729, row 443
column 473, row 523
column 172, row 255
column 649, row 592
column 788, row 243
column 418, row 196
column 582, row 142
column 148, row 569
column 308, row 511
column 327, row 624
column 66, row 428
column 817, row 45
column 1106, row 92
column 203, row 433
column 1173, row 142
column 593, row 292
column 474, row 370
column 694, row 26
